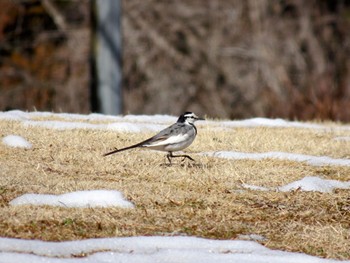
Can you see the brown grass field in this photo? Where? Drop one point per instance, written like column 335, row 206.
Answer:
column 204, row 199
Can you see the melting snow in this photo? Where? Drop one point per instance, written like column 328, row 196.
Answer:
column 308, row 183
column 148, row 249
column 313, row 183
column 309, row 159
column 93, row 198
column 16, row 141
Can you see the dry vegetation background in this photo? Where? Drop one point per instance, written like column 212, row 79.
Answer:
column 44, row 55
column 204, row 200
column 239, row 58
column 224, row 58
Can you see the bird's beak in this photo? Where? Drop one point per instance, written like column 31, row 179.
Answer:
column 200, row 119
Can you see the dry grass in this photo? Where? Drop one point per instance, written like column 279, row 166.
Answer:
column 203, row 200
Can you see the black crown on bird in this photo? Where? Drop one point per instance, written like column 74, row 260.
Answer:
column 189, row 117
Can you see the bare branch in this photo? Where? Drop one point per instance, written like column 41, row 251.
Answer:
column 56, row 15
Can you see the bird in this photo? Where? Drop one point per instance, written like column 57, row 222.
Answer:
column 176, row 137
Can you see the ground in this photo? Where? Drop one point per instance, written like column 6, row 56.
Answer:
column 204, row 199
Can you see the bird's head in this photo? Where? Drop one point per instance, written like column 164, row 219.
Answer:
column 188, row 117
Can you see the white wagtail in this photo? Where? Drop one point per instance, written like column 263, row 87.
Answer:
column 176, row 137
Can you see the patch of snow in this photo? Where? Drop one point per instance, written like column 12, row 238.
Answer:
column 151, row 118
column 344, row 138
column 255, row 187
column 148, row 249
column 14, row 115
column 22, row 115
column 252, row 237
column 309, row 159
column 134, row 127
column 16, row 141
column 278, row 123
column 92, row 198
column 117, row 126
column 313, row 183
column 308, row 183
column 128, row 123
column 18, row 115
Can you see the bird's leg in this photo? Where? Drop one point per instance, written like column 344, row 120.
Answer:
column 186, row 156
column 170, row 155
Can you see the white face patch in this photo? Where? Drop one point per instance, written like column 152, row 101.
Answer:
column 191, row 117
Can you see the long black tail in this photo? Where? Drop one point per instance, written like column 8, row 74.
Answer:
column 120, row 150
column 126, row 148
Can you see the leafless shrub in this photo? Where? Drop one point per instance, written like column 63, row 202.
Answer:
column 44, row 54
column 237, row 58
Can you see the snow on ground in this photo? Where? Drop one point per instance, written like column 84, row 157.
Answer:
column 139, row 123
column 264, row 122
column 119, row 126
column 155, row 249
column 314, row 183
column 308, row 183
column 93, row 198
column 128, row 123
column 309, row 159
column 147, row 249
column 344, row 138
column 16, row 141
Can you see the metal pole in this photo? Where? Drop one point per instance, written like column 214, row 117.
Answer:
column 108, row 61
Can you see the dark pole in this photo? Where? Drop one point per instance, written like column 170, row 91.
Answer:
column 106, row 65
